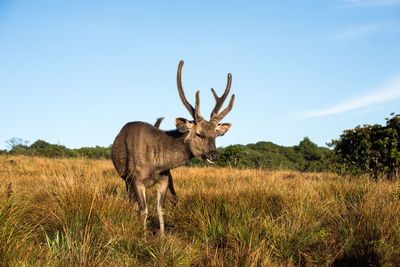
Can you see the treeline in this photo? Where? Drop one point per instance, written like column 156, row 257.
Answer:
column 45, row 149
column 307, row 156
column 368, row 149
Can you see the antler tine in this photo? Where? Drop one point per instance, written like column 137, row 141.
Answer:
column 198, row 116
column 220, row 100
column 223, row 113
column 182, row 93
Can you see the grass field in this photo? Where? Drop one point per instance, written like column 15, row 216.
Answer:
column 76, row 212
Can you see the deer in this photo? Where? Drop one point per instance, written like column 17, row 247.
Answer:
column 143, row 155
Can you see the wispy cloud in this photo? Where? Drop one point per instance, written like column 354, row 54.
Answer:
column 369, row 3
column 366, row 30
column 387, row 92
column 357, row 32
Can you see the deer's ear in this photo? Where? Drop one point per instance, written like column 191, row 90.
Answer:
column 183, row 125
column 223, row 128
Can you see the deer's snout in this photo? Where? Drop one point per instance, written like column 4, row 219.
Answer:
column 213, row 156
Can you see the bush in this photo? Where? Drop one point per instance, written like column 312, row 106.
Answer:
column 370, row 149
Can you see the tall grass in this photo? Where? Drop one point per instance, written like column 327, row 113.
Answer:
column 76, row 212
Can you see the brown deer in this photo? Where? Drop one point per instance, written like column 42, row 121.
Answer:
column 143, row 155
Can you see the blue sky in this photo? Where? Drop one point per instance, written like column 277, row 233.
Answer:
column 74, row 72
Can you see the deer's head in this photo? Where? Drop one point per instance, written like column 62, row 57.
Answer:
column 201, row 134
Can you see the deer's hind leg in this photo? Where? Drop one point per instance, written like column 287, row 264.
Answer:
column 132, row 193
column 140, row 191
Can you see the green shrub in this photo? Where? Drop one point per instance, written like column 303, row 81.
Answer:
column 370, row 149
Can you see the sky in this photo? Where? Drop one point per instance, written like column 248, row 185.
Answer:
column 74, row 72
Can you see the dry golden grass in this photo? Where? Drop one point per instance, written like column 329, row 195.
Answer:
column 76, row 212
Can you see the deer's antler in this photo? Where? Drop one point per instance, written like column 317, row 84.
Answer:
column 195, row 112
column 215, row 116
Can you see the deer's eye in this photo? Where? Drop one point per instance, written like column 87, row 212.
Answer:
column 199, row 135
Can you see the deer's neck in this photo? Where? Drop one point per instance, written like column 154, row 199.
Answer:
column 177, row 153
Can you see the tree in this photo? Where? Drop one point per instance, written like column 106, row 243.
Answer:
column 231, row 155
column 371, row 149
column 15, row 141
column 309, row 150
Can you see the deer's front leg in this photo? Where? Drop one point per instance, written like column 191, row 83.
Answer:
column 161, row 194
column 171, row 189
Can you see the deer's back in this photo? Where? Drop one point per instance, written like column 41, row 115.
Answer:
column 133, row 145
